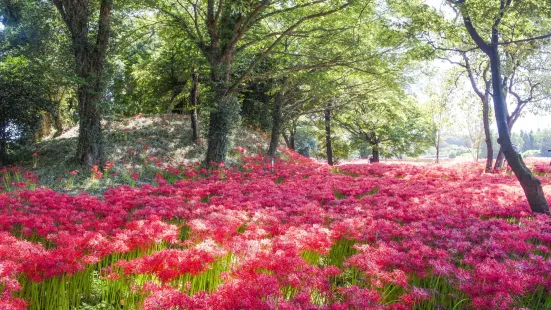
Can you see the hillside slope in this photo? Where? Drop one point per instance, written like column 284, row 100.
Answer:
column 131, row 145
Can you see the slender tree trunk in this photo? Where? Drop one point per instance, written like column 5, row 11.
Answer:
column 329, row 148
column 194, row 126
column 292, row 135
column 500, row 159
column 438, row 146
column 3, row 143
column 487, row 133
column 531, row 185
column 286, row 138
column 58, row 124
column 276, row 123
column 193, row 103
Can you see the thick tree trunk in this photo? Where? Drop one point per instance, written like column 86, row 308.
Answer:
column 220, row 125
column 89, row 63
column 193, row 103
column 531, row 185
column 487, row 134
column 45, row 126
column 224, row 118
column 329, row 147
column 276, row 123
column 89, row 147
column 375, row 153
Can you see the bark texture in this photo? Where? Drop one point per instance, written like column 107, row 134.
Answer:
column 530, row 184
column 89, row 65
column 276, row 122
column 375, row 153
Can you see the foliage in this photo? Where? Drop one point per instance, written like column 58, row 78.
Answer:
column 390, row 122
column 21, row 100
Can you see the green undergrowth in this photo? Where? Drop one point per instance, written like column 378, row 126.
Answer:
column 83, row 288
column 540, row 298
column 131, row 145
column 91, row 289
column 443, row 295
column 372, row 192
column 344, row 172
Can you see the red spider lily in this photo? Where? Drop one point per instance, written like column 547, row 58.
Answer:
column 283, row 230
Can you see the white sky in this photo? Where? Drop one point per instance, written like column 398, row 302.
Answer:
column 527, row 121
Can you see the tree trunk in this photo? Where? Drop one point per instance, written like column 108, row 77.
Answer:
column 221, row 123
column 224, row 118
column 500, row 159
column 45, row 126
column 375, row 153
column 487, row 134
column 292, row 135
column 89, row 63
column 276, row 123
column 3, row 153
column 329, row 148
column 438, row 146
column 531, row 185
column 287, row 140
column 58, row 124
column 90, row 146
column 3, row 143
column 193, row 103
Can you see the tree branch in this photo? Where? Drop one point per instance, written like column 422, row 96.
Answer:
column 290, row 29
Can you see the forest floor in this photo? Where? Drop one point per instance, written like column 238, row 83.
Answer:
column 130, row 145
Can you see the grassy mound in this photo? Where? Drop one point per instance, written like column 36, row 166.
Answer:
column 132, row 146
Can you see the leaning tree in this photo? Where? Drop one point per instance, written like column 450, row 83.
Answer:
column 484, row 22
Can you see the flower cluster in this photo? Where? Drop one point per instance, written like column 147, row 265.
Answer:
column 289, row 235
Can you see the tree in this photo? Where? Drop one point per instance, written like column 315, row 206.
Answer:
column 222, row 30
column 21, row 101
column 31, row 32
column 439, row 107
column 89, row 54
column 478, row 75
column 389, row 122
column 472, row 12
column 526, row 86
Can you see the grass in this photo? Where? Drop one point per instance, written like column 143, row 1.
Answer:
column 137, row 145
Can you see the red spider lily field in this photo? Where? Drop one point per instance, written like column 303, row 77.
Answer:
column 293, row 234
